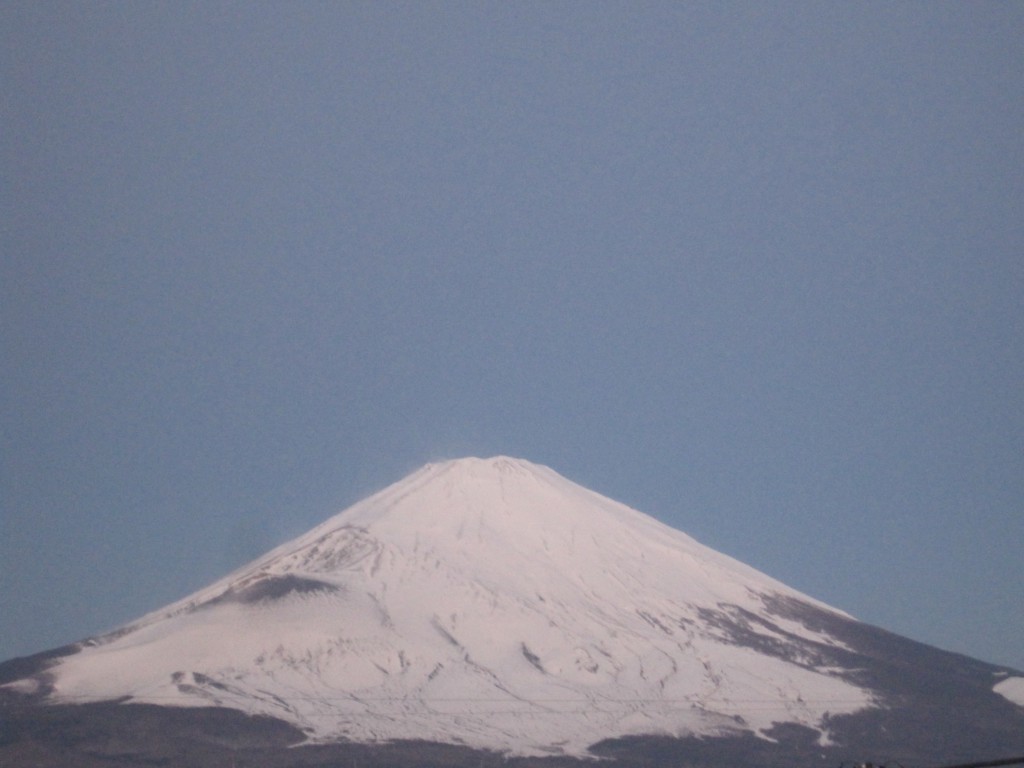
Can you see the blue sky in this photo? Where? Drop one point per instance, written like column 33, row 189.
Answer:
column 755, row 269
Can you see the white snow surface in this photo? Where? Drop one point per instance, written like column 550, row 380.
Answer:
column 1011, row 689
column 486, row 602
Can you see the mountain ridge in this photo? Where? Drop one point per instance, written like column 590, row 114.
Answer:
column 495, row 604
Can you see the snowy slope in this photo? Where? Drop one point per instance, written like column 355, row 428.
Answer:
column 1012, row 689
column 487, row 602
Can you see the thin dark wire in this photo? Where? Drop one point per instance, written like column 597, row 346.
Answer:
column 476, row 700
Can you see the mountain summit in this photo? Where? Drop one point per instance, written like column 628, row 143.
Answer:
column 495, row 604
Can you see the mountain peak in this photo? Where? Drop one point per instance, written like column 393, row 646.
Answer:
column 493, row 603
column 490, row 602
column 475, row 465
column 456, row 499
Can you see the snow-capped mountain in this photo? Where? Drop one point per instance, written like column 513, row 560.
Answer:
column 495, row 604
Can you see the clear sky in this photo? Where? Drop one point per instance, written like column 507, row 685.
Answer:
column 753, row 268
